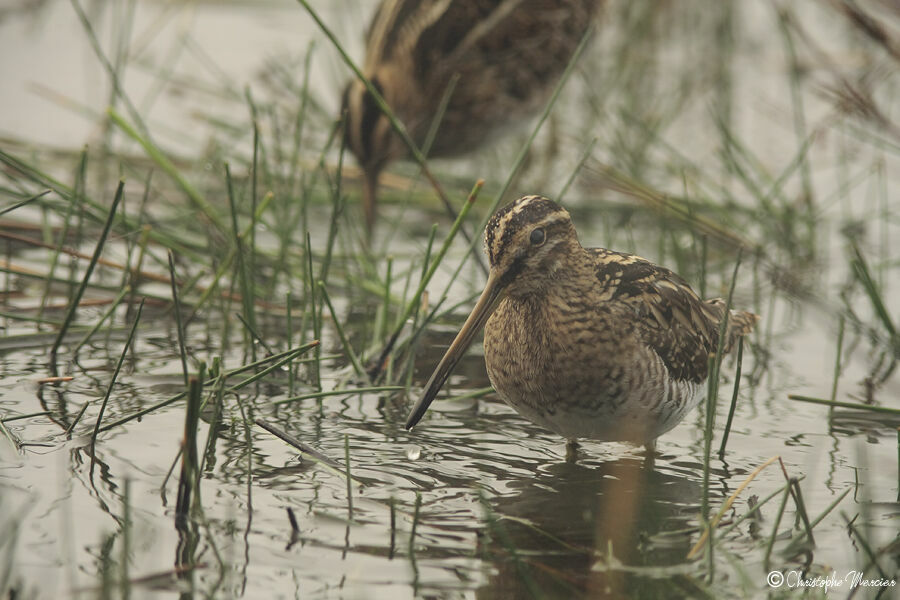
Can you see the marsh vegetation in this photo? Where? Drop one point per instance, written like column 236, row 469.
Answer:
column 206, row 367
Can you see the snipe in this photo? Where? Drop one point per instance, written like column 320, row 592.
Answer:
column 489, row 63
column 589, row 343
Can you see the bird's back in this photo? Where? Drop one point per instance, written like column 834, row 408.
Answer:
column 669, row 317
column 494, row 61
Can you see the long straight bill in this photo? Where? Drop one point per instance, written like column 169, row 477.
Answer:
column 490, row 297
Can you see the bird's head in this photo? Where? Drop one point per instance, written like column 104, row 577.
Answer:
column 527, row 243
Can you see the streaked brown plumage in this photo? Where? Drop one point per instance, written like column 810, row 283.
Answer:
column 492, row 62
column 589, row 343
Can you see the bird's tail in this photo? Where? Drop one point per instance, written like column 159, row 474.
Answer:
column 740, row 322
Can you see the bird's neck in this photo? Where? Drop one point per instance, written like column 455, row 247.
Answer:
column 570, row 273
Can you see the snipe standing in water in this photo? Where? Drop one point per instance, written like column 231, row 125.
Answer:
column 589, row 343
column 505, row 56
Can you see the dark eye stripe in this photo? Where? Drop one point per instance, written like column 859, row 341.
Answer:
column 527, row 212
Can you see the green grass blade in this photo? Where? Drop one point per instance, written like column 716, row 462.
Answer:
column 169, row 168
column 106, row 315
column 351, row 355
column 278, row 359
column 112, row 382
column 73, row 307
column 851, row 405
column 22, row 203
column 376, row 369
column 342, row 392
column 182, row 352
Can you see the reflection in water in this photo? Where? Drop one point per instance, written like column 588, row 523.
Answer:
column 552, row 538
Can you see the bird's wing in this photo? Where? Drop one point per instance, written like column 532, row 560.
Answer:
column 520, row 43
column 668, row 316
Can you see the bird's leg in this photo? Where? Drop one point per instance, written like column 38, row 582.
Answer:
column 571, row 450
column 650, row 454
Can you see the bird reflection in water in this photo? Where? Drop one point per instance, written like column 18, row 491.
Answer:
column 579, row 529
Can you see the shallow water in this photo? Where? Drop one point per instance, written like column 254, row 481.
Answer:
column 501, row 510
column 501, row 513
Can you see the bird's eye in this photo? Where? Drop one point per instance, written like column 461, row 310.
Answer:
column 537, row 237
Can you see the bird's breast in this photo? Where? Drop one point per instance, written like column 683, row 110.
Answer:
column 581, row 370
column 544, row 354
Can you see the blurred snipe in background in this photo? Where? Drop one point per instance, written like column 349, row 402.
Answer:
column 469, row 67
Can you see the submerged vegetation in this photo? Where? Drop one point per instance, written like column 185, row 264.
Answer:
column 182, row 309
